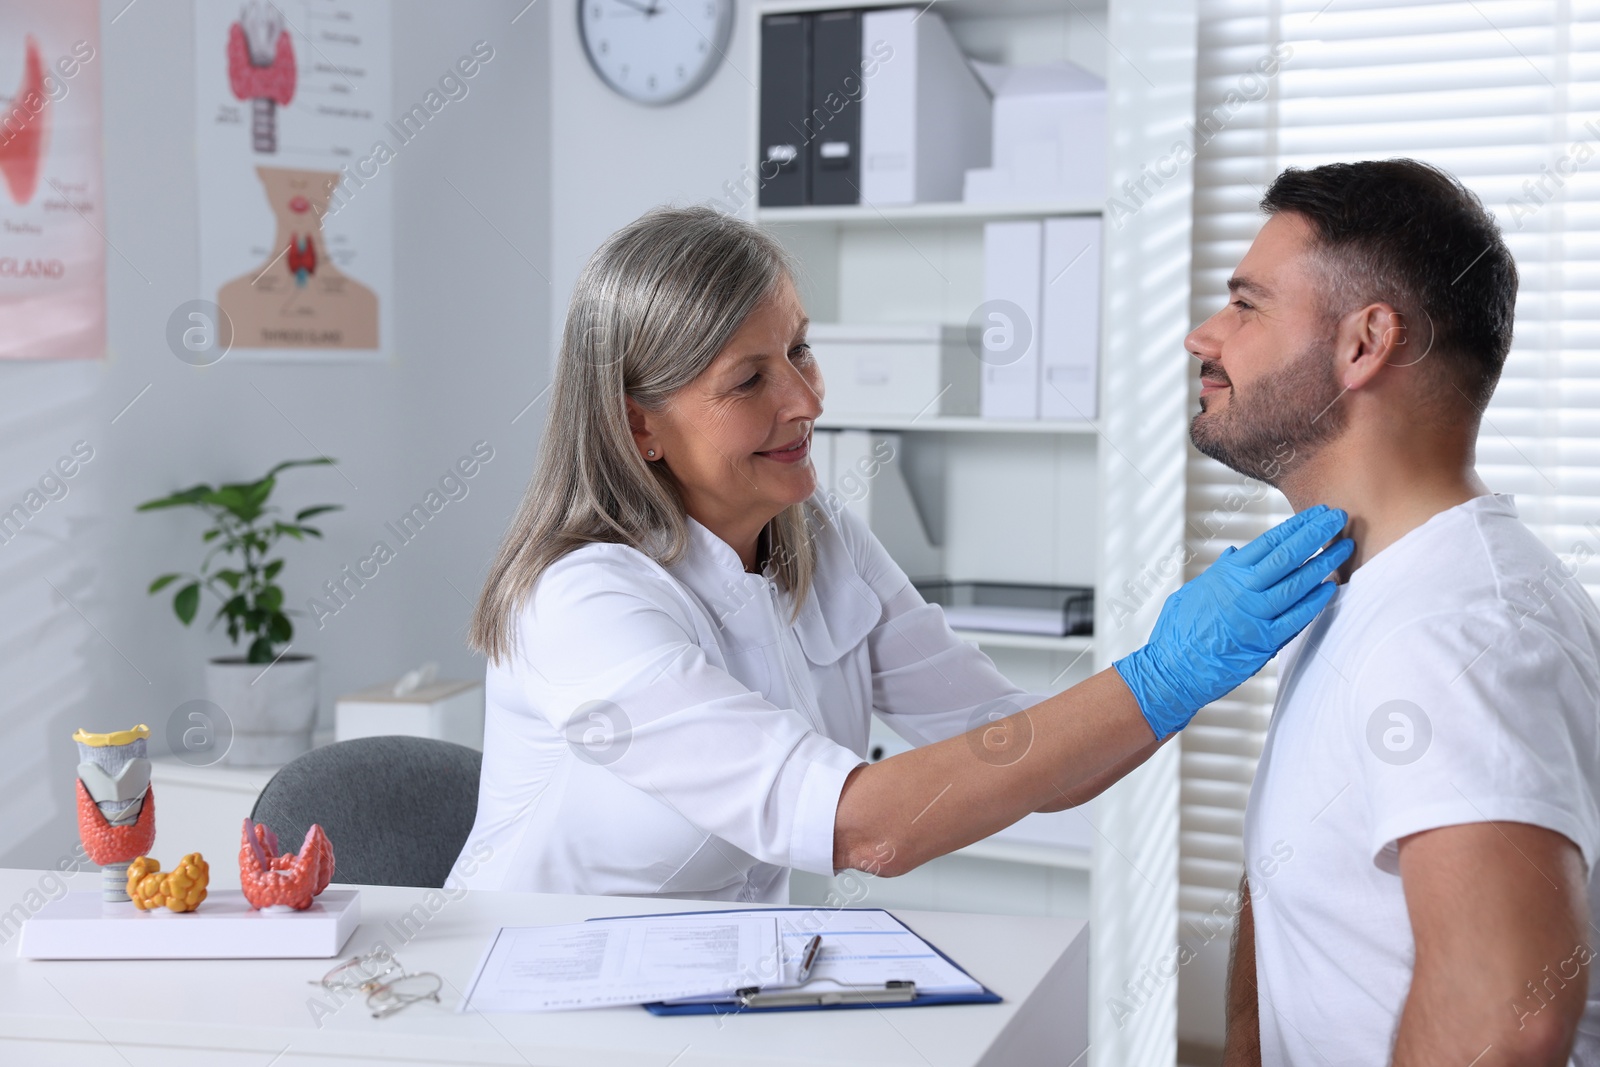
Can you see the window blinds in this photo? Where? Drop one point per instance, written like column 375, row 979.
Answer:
column 1505, row 95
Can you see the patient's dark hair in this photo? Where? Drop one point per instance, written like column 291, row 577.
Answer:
column 1410, row 235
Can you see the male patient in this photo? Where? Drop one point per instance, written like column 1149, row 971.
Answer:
column 1423, row 823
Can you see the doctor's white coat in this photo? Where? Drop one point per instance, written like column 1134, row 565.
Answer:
column 667, row 732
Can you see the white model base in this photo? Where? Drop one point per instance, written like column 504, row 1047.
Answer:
column 80, row 926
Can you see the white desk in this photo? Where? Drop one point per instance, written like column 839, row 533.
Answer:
column 221, row 1013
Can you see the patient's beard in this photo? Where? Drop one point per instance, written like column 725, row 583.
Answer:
column 1280, row 421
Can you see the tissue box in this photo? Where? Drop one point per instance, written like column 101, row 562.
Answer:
column 448, row 711
column 879, row 370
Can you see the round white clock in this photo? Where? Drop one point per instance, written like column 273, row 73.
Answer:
column 655, row 51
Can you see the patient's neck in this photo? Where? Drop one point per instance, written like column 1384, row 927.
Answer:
column 1389, row 482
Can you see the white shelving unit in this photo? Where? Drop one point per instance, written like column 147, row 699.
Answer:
column 1070, row 503
column 1008, row 499
column 992, row 639
column 953, row 424
column 873, row 215
column 1069, row 859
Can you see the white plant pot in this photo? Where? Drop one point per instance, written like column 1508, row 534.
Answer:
column 272, row 708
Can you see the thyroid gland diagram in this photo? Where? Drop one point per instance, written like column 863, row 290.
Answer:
column 24, row 128
column 298, row 298
column 261, row 69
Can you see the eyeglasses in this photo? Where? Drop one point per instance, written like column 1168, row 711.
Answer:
column 383, row 978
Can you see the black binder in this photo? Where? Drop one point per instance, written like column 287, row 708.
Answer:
column 834, row 120
column 785, row 96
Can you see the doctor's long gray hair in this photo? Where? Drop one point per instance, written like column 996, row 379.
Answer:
column 652, row 308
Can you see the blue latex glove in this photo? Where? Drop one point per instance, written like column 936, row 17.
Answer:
column 1223, row 626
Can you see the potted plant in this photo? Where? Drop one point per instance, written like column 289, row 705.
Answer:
column 270, row 697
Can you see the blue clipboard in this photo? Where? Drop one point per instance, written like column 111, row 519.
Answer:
column 733, row 1007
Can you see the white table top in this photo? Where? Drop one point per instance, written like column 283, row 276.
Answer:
column 221, row 1012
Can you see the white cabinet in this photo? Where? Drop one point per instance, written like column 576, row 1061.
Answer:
column 202, row 809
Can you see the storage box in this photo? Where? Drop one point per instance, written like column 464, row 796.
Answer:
column 1049, row 136
column 896, row 371
column 448, row 711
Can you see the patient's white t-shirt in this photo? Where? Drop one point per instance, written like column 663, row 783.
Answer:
column 1454, row 679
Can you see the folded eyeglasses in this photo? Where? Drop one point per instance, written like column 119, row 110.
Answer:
column 380, row 975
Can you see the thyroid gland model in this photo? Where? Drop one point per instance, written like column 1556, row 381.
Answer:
column 116, row 808
column 297, row 297
column 278, row 882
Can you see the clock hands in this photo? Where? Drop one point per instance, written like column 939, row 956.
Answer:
column 653, row 9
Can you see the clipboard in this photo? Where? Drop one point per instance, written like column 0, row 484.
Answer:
column 734, row 1007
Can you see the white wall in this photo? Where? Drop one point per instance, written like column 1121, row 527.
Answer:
column 614, row 159
column 472, row 319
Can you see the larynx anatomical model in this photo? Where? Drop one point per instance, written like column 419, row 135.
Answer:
column 116, row 807
column 261, row 69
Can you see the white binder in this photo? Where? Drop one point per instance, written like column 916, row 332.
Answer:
column 1010, row 317
column 1069, row 355
column 925, row 114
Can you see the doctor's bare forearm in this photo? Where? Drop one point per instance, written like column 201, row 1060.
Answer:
column 896, row 815
column 1105, row 779
column 1242, row 1045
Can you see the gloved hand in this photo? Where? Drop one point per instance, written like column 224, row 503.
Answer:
column 1223, row 626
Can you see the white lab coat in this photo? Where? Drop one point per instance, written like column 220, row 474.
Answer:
column 667, row 732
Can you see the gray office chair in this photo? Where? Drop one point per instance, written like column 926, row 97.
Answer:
column 397, row 809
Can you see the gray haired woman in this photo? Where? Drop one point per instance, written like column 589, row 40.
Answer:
column 686, row 639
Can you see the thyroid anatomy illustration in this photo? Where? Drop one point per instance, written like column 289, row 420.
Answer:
column 297, row 297
column 25, row 128
column 261, row 69
column 302, row 257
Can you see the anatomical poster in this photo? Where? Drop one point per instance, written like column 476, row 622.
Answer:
column 296, row 232
column 52, row 210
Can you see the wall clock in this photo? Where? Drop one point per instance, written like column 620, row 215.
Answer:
column 655, row 51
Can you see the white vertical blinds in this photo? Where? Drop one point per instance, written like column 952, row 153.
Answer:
column 1506, row 95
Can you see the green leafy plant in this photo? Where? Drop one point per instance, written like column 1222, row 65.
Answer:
column 245, row 528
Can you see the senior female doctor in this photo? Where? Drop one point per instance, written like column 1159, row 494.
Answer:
column 687, row 639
